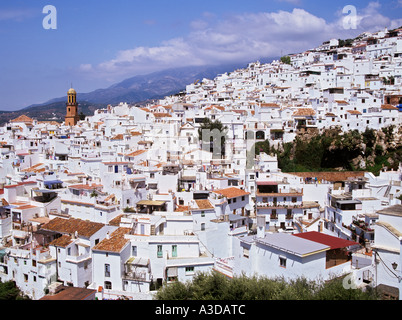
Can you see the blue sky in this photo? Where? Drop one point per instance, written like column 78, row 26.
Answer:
column 98, row 43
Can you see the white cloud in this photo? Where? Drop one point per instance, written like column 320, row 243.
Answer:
column 16, row 14
column 244, row 37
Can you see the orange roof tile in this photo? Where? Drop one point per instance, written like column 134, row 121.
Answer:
column 23, row 118
column 84, row 228
column 354, row 112
column 85, row 186
column 161, row 115
column 136, row 153
column 388, row 107
column 204, row 204
column 116, row 241
column 63, row 241
column 231, row 192
column 304, row 112
column 118, row 137
column 269, row 105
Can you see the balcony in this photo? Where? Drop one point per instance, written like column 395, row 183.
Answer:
column 78, row 258
column 137, row 268
column 279, row 205
column 224, row 266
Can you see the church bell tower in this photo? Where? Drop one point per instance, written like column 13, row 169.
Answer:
column 72, row 116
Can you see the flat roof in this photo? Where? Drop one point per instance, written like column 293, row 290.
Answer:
column 291, row 244
column 395, row 210
column 151, row 202
column 333, row 242
column 349, row 201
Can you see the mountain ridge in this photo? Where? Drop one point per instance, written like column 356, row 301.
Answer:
column 138, row 89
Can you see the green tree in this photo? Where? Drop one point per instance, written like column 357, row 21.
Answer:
column 286, row 59
column 215, row 286
column 9, row 291
column 213, row 135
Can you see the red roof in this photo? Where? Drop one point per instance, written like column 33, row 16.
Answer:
column 333, row 242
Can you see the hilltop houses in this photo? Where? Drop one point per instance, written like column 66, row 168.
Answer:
column 130, row 199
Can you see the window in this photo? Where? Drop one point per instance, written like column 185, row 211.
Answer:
column 108, row 285
column 189, row 270
column 294, row 199
column 246, row 252
column 202, row 213
column 282, row 262
column 134, row 251
column 174, row 251
column 202, row 226
column 107, row 270
column 159, row 251
column 25, row 277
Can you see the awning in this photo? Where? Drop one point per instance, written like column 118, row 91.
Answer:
column 267, row 183
column 51, row 182
column 45, row 191
column 172, row 272
column 151, row 202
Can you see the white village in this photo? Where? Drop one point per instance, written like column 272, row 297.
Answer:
column 130, row 199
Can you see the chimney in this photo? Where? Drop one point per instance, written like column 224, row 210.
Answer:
column 261, row 226
column 107, row 235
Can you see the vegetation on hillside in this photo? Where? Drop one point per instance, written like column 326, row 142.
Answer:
column 9, row 291
column 215, row 286
column 213, row 133
column 286, row 59
column 334, row 150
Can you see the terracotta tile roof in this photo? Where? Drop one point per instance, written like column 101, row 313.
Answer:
column 23, row 118
column 63, row 241
column 388, row 107
column 116, row 221
column 231, row 192
column 269, row 105
column 28, row 206
column 354, row 112
column 85, row 186
column 181, row 208
column 204, row 204
column 331, row 176
column 116, row 241
column 72, row 293
column 341, row 102
column 135, row 133
column 84, row 228
column 304, row 112
column 118, row 137
column 136, row 153
column 161, row 115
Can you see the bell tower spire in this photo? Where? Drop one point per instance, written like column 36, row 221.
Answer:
column 72, row 116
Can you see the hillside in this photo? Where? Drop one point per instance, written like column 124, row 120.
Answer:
column 138, row 90
column 334, row 150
